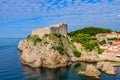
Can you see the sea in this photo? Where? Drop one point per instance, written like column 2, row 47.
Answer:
column 12, row 69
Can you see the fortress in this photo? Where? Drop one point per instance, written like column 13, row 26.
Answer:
column 56, row 28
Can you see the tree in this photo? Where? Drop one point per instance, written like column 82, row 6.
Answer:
column 90, row 45
column 90, row 30
column 103, row 42
column 81, row 38
column 77, row 54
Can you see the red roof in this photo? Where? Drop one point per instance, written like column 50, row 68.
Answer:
column 115, row 52
column 114, row 44
column 116, row 40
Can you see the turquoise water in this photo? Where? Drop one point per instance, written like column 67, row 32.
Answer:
column 12, row 69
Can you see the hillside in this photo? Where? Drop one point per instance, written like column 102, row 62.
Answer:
column 55, row 48
column 90, row 30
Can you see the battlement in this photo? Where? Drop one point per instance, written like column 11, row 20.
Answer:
column 56, row 28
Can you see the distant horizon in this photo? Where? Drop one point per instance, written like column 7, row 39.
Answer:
column 18, row 18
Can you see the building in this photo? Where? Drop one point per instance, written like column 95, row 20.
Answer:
column 101, row 37
column 113, row 48
column 57, row 28
column 116, row 42
column 106, row 36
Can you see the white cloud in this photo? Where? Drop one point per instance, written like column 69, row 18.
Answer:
column 119, row 15
column 22, row 9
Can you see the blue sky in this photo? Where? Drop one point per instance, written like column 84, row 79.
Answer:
column 19, row 17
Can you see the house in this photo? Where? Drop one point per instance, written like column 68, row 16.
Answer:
column 106, row 36
column 116, row 42
column 113, row 49
column 101, row 37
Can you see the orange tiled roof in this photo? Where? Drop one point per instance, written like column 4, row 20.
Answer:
column 116, row 40
column 115, row 52
column 102, row 35
column 114, row 44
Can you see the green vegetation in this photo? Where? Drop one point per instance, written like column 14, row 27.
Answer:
column 114, row 38
column 53, row 37
column 90, row 45
column 91, row 31
column 100, row 51
column 110, row 43
column 57, row 35
column 60, row 49
column 28, row 37
column 35, row 39
column 81, row 38
column 77, row 54
column 63, row 45
column 86, row 35
column 103, row 42
column 58, row 41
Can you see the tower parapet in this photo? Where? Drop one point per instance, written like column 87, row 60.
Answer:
column 56, row 28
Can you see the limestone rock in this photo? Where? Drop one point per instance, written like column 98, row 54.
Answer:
column 91, row 71
column 52, row 50
column 109, row 57
column 106, row 67
column 89, row 56
column 21, row 45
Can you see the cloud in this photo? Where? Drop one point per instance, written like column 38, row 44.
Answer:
column 119, row 15
column 12, row 10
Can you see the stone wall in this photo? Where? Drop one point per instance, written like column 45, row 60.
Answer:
column 57, row 28
column 41, row 31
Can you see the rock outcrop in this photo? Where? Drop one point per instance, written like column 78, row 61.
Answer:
column 89, row 56
column 108, row 57
column 91, row 71
column 93, row 56
column 51, row 47
column 106, row 67
column 52, row 50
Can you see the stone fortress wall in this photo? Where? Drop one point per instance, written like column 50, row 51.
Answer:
column 56, row 28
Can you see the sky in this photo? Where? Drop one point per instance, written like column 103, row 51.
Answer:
column 19, row 17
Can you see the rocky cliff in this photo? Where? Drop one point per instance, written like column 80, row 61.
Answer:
column 52, row 50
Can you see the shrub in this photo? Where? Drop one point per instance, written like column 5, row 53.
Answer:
column 103, row 42
column 60, row 49
column 36, row 40
column 57, row 35
column 77, row 54
column 46, row 35
column 46, row 43
column 81, row 38
column 100, row 51
column 90, row 45
column 28, row 37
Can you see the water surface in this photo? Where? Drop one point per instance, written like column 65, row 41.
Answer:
column 12, row 69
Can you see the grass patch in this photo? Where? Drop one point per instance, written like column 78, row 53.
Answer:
column 35, row 39
column 60, row 49
column 77, row 54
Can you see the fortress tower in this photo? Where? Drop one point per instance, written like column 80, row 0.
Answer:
column 56, row 28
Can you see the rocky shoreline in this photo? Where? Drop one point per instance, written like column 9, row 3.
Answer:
column 95, row 71
column 57, row 50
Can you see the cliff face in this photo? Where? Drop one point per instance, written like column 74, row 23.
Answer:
column 52, row 50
